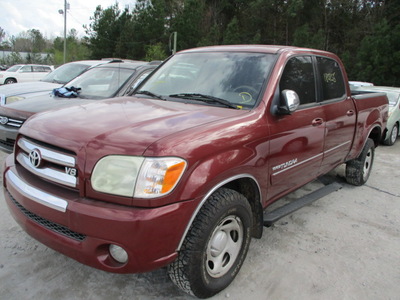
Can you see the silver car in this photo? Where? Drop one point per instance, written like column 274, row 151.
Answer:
column 392, row 126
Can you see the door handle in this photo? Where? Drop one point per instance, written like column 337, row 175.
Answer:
column 317, row 122
column 350, row 113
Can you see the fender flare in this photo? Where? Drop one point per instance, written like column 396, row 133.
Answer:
column 209, row 193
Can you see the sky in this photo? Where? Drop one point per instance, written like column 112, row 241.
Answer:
column 17, row 16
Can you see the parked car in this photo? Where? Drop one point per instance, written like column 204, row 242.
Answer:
column 359, row 83
column 179, row 174
column 65, row 73
column 109, row 80
column 393, row 124
column 24, row 73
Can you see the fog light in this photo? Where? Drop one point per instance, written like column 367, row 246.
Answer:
column 118, row 253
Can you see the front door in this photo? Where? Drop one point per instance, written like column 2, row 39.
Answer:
column 296, row 145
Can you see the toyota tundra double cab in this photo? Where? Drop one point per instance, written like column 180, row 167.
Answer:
column 179, row 173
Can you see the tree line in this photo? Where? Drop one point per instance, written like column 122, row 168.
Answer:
column 364, row 33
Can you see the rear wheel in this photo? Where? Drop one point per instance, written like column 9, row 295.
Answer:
column 215, row 246
column 393, row 135
column 359, row 169
column 10, row 80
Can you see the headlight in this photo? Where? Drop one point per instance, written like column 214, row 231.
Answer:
column 116, row 174
column 137, row 177
column 13, row 99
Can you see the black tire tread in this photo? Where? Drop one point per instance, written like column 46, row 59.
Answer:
column 389, row 141
column 354, row 168
column 179, row 269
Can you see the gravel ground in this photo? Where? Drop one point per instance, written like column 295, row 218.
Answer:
column 344, row 246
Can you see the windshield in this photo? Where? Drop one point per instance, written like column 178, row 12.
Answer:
column 101, row 82
column 235, row 77
column 393, row 98
column 65, row 73
column 14, row 68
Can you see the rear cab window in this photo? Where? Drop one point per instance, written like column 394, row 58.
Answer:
column 331, row 78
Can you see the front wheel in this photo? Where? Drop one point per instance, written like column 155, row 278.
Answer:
column 215, row 246
column 393, row 135
column 359, row 169
column 10, row 80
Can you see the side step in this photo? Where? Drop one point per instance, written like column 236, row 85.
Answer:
column 280, row 212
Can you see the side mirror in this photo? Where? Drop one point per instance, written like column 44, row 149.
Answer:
column 290, row 101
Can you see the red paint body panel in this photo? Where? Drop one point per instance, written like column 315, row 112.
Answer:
column 149, row 244
column 279, row 153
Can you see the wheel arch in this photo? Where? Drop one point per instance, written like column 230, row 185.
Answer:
column 376, row 134
column 248, row 186
column 13, row 78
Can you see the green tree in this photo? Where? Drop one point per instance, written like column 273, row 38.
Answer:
column 377, row 53
column 155, row 52
column 149, row 26
column 38, row 42
column 2, row 35
column 232, row 33
column 103, row 32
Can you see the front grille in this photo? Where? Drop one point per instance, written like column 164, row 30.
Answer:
column 47, row 162
column 11, row 122
column 7, row 144
column 48, row 224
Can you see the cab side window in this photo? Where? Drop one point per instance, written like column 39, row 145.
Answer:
column 26, row 69
column 298, row 76
column 37, row 69
column 331, row 79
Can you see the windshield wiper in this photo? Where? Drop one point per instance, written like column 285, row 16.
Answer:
column 148, row 93
column 204, row 98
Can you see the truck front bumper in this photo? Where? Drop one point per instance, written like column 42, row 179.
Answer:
column 84, row 229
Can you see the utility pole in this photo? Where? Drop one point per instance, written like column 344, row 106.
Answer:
column 175, row 37
column 65, row 30
column 60, row 11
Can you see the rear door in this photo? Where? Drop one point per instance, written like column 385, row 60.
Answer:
column 297, row 140
column 339, row 110
column 40, row 71
column 25, row 74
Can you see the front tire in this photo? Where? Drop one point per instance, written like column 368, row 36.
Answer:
column 359, row 169
column 393, row 135
column 10, row 81
column 215, row 246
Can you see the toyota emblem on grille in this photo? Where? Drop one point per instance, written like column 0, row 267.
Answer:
column 3, row 120
column 35, row 158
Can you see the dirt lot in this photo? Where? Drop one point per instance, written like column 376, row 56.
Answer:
column 344, row 246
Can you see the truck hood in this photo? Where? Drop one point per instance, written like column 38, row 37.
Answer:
column 125, row 125
column 43, row 102
column 27, row 88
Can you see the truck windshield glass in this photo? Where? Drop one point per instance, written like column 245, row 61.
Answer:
column 14, row 68
column 101, row 83
column 234, row 77
column 393, row 98
column 65, row 73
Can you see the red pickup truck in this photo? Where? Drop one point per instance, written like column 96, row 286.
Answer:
column 179, row 174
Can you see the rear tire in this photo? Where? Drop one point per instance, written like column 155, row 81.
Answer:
column 359, row 169
column 393, row 135
column 215, row 246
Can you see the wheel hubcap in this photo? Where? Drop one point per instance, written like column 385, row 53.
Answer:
column 367, row 165
column 224, row 246
column 395, row 132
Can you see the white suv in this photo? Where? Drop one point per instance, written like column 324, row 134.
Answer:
column 24, row 73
